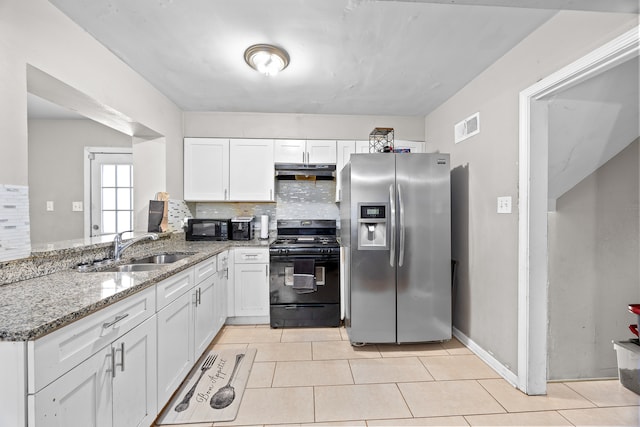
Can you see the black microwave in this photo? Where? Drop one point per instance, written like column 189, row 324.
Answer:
column 206, row 229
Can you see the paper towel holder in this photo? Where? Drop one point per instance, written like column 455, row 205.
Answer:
column 264, row 227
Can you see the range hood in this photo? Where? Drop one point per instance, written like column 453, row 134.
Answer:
column 300, row 171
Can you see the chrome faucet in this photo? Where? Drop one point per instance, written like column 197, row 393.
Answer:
column 119, row 246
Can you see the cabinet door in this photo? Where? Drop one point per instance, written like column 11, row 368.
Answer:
column 221, row 298
column 289, row 151
column 414, row 146
column 175, row 345
column 206, row 169
column 344, row 151
column 205, row 314
column 362, row 146
column 82, row 397
column 321, row 151
column 135, row 382
column 251, row 289
column 251, row 170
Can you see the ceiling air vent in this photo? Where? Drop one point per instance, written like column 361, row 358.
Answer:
column 466, row 128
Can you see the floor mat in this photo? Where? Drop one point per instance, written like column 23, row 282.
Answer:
column 213, row 390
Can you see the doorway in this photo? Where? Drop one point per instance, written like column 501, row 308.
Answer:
column 534, row 203
column 108, row 191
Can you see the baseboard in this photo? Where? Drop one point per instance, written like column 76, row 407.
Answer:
column 487, row 358
column 248, row 320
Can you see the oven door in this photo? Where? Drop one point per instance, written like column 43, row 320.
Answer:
column 326, row 277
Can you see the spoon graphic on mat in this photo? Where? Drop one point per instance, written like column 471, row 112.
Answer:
column 206, row 365
column 225, row 395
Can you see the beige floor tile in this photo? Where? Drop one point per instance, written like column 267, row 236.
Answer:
column 392, row 370
column 546, row 418
column 443, row 398
column 605, row 393
column 328, row 350
column 339, row 423
column 280, row 352
column 618, row 416
column 459, row 367
column 310, row 373
column 343, row 334
column 432, row 421
column 405, row 350
column 455, row 347
column 359, row 402
column 558, row 396
column 310, row 334
column 235, row 335
column 260, row 406
column 261, row 374
column 219, row 347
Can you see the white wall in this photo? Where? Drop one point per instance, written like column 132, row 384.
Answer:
column 593, row 269
column 34, row 32
column 56, row 173
column 486, row 166
column 301, row 126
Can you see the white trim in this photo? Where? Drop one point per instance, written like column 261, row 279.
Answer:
column 532, row 255
column 487, row 358
column 87, row 180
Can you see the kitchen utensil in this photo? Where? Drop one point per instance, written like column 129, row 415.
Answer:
column 206, row 365
column 225, row 395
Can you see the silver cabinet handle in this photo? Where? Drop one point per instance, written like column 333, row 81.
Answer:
column 225, row 194
column 266, row 270
column 114, row 321
column 121, row 364
column 392, row 202
column 271, row 194
column 401, row 226
column 199, row 296
column 113, row 362
column 303, row 157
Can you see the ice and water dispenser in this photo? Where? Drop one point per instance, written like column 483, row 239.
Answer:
column 373, row 226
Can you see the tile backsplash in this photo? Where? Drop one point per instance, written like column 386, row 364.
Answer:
column 15, row 237
column 294, row 200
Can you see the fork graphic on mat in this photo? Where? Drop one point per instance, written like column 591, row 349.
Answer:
column 206, row 365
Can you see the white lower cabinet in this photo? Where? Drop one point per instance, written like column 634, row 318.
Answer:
column 186, row 325
column 114, row 387
column 251, row 277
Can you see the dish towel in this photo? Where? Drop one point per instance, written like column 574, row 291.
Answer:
column 304, row 280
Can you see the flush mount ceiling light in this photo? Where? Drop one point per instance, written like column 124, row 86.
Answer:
column 267, row 59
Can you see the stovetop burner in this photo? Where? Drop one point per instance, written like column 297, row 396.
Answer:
column 306, row 236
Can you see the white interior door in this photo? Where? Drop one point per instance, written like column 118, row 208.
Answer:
column 111, row 193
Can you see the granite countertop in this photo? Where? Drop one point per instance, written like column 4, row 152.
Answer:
column 32, row 308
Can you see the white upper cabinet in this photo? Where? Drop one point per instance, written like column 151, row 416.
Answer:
column 206, row 169
column 251, row 172
column 305, row 151
column 344, row 151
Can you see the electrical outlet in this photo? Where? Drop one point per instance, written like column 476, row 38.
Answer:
column 49, row 205
column 504, row 204
column 76, row 206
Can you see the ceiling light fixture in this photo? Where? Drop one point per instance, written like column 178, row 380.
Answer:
column 266, row 58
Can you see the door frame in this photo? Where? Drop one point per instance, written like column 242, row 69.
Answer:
column 533, row 203
column 88, row 152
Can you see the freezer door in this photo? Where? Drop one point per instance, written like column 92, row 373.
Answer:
column 372, row 290
column 424, row 247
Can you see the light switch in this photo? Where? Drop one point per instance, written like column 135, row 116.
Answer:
column 76, row 206
column 49, row 205
column 504, row 204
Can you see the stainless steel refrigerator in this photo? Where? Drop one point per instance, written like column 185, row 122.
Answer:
column 395, row 221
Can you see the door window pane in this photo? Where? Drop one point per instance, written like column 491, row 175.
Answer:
column 117, row 198
column 108, row 175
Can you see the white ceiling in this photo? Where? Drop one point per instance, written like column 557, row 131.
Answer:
column 347, row 56
column 382, row 57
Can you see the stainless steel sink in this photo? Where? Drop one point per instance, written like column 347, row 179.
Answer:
column 132, row 267
column 161, row 259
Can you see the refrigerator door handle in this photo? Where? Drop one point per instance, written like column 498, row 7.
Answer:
column 401, row 227
column 392, row 204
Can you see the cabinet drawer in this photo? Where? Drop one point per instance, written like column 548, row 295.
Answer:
column 52, row 355
column 251, row 255
column 205, row 269
column 170, row 289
